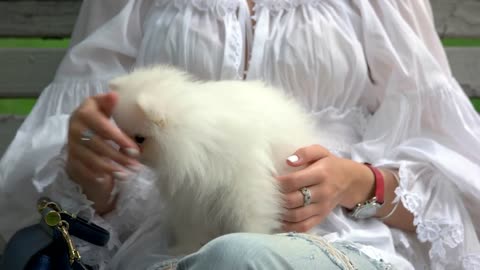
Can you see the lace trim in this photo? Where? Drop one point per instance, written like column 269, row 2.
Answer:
column 439, row 232
column 135, row 201
column 132, row 207
column 471, row 262
column 229, row 6
column 234, row 48
column 55, row 183
column 411, row 201
column 97, row 255
column 222, row 7
column 279, row 5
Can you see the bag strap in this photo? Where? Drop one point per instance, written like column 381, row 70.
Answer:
column 85, row 230
column 56, row 225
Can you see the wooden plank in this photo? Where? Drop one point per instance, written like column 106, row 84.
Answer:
column 38, row 18
column 25, row 72
column 453, row 18
column 457, row 18
column 8, row 127
column 465, row 64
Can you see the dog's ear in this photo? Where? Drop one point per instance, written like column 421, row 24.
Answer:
column 148, row 107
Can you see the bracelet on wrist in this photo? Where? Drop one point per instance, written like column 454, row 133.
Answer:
column 396, row 204
column 369, row 208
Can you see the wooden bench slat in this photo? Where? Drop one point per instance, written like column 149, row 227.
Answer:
column 8, row 127
column 453, row 18
column 38, row 19
column 25, row 72
column 465, row 64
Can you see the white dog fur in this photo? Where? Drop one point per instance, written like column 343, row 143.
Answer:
column 216, row 147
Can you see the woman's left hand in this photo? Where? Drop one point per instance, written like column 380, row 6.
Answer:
column 331, row 180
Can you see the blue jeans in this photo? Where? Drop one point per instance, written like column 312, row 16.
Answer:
column 248, row 251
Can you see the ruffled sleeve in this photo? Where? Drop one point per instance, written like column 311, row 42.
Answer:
column 424, row 126
column 104, row 44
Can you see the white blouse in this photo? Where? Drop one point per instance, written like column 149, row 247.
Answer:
column 373, row 72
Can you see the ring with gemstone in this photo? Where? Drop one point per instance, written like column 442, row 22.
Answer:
column 87, row 135
column 307, row 196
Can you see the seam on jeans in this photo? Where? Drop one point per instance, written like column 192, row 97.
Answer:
column 170, row 264
column 379, row 264
column 335, row 255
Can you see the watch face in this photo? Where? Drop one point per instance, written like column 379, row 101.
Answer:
column 367, row 210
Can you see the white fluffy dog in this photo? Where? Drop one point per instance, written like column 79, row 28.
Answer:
column 216, row 147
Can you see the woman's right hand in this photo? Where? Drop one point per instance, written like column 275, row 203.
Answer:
column 89, row 161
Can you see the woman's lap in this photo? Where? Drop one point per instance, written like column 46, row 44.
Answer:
column 284, row 251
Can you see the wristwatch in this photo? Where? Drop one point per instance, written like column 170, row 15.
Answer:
column 369, row 208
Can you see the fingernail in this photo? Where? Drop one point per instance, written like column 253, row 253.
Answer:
column 121, row 175
column 135, row 167
column 100, row 179
column 132, row 152
column 114, row 193
column 293, row 158
column 132, row 161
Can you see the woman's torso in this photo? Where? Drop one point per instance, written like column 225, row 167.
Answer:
column 311, row 49
column 308, row 48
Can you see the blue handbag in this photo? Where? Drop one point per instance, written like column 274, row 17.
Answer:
column 48, row 245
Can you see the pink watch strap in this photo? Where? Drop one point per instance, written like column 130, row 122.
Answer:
column 379, row 183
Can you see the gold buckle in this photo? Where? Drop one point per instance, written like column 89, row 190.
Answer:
column 53, row 218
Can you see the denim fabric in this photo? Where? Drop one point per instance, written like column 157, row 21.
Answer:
column 247, row 251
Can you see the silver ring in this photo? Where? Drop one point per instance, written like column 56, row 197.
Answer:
column 87, row 135
column 307, row 196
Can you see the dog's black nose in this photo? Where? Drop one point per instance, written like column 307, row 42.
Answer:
column 139, row 139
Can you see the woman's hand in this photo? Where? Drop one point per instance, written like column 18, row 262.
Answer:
column 331, row 180
column 90, row 156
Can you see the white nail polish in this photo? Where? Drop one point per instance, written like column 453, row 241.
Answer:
column 114, row 192
column 132, row 152
column 293, row 158
column 136, row 168
column 121, row 175
column 100, row 179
